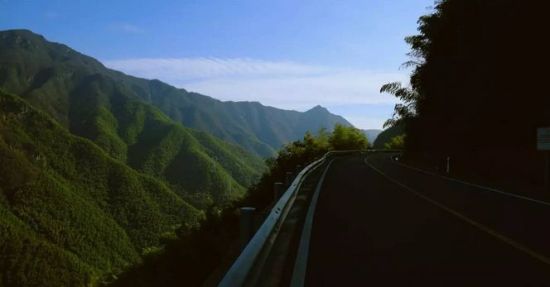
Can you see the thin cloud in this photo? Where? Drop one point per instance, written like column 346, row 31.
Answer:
column 193, row 69
column 126, row 28
column 300, row 91
column 51, row 15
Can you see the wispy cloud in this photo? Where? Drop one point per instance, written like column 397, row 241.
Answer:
column 126, row 28
column 282, row 84
column 181, row 70
column 51, row 15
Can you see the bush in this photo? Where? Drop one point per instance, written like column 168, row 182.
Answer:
column 300, row 153
column 397, row 142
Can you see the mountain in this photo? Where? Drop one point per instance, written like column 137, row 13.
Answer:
column 257, row 128
column 70, row 213
column 372, row 134
column 99, row 104
column 92, row 177
column 48, row 74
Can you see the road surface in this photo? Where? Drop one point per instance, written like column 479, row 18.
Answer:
column 378, row 223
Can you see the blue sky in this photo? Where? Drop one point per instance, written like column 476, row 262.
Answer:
column 292, row 54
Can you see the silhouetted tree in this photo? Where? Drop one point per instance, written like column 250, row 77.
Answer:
column 475, row 89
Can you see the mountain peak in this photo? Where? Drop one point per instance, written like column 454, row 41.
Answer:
column 19, row 31
column 20, row 34
column 318, row 109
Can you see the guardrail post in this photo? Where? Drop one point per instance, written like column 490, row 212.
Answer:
column 288, row 178
column 297, row 171
column 547, row 170
column 246, row 225
column 278, row 189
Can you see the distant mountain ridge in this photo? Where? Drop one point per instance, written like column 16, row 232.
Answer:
column 372, row 134
column 258, row 128
column 41, row 67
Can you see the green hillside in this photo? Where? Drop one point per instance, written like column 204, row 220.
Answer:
column 67, row 84
column 102, row 105
column 69, row 212
column 93, row 177
column 257, row 128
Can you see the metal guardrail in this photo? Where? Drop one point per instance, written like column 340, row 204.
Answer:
column 241, row 268
column 240, row 271
column 385, row 150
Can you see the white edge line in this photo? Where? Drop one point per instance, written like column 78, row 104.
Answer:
column 472, row 184
column 466, row 219
column 300, row 265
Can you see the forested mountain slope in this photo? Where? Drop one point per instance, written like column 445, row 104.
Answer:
column 69, row 213
column 99, row 104
column 255, row 127
column 91, row 176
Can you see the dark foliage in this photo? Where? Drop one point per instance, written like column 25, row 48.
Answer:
column 190, row 258
column 387, row 135
column 476, row 87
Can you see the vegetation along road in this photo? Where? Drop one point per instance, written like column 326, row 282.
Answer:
column 383, row 223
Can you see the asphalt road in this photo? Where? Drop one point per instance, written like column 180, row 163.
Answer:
column 378, row 223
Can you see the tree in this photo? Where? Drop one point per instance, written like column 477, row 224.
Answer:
column 397, row 142
column 473, row 93
column 347, row 138
column 405, row 110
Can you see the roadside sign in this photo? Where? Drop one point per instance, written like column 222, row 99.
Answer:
column 543, row 138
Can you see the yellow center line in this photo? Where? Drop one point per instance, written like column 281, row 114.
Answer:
column 470, row 221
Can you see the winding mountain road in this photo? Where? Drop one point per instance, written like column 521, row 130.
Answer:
column 380, row 223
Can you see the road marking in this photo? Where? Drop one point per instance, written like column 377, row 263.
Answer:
column 300, row 265
column 468, row 220
column 472, row 184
